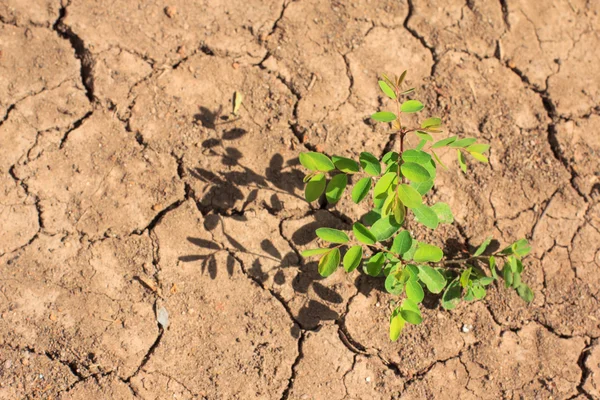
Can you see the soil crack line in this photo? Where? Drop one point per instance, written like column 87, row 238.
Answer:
column 81, row 52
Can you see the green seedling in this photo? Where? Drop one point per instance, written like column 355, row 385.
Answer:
column 398, row 185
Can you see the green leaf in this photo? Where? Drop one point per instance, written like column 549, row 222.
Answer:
column 462, row 143
column 493, row 267
column 399, row 212
column 512, row 262
column 375, row 264
column 508, row 276
column 485, row 281
column 443, row 212
column 402, row 243
column 478, row 292
column 525, row 292
column 422, row 187
column 431, row 168
column 329, row 263
column 363, row 234
column 443, row 142
column 431, row 123
column 412, row 270
column 408, row 304
column 314, row 188
column 414, row 291
column 387, row 80
column 521, row 247
column 314, row 252
column 384, row 228
column 483, row 246
column 401, row 78
column 332, row 235
column 390, row 156
column 391, row 167
column 516, row 280
column 393, row 285
column 438, row 160
column 396, row 326
column 469, row 296
column 451, row 296
column 384, row 116
column 415, row 172
column 464, row 277
column 385, row 88
column 345, row 164
column 426, row 216
column 434, row 281
column 411, row 252
column 461, row 161
column 428, row 253
column 416, row 156
column 352, row 258
column 383, row 185
column 424, row 136
column 361, row 189
column 336, row 187
column 389, row 198
column 411, row 106
column 370, row 164
column 409, row 196
column 479, row 157
column 411, row 317
column 478, row 148
column 316, row 161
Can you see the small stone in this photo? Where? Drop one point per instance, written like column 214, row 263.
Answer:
column 170, row 11
column 235, row 65
column 7, row 364
column 467, row 328
column 368, row 379
column 53, row 317
column 162, row 317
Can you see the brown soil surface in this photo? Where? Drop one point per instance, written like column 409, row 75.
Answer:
column 126, row 196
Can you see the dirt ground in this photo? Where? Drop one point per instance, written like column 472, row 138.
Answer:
column 126, row 196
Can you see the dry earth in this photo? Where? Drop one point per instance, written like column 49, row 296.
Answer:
column 124, row 193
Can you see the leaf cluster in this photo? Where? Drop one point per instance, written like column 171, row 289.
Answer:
column 395, row 186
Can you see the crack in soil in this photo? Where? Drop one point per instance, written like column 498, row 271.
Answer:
column 286, row 393
column 81, row 52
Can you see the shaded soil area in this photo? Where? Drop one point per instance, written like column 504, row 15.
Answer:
column 149, row 243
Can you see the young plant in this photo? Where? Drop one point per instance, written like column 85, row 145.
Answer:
column 408, row 265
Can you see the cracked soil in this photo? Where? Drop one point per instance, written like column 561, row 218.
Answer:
column 125, row 191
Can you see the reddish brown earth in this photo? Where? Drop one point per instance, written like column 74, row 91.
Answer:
column 124, row 193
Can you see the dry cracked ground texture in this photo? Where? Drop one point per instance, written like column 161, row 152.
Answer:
column 124, row 191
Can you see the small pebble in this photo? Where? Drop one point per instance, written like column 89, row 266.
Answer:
column 467, row 328
column 368, row 379
column 170, row 11
column 162, row 316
